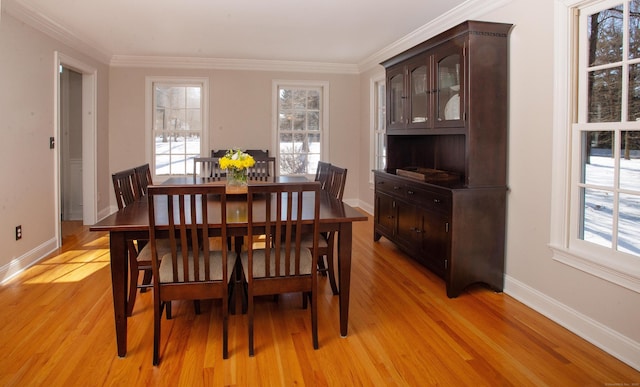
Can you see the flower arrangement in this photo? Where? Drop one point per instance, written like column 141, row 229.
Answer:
column 236, row 162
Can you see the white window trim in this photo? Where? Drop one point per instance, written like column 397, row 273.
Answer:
column 614, row 267
column 324, row 129
column 373, row 111
column 148, row 119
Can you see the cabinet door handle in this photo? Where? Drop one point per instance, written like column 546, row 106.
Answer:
column 395, row 187
column 437, row 201
column 410, row 192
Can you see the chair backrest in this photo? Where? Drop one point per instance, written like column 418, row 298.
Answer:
column 322, row 173
column 256, row 153
column 337, row 179
column 143, row 175
column 263, row 170
column 282, row 213
column 208, row 167
column 189, row 219
column 125, row 186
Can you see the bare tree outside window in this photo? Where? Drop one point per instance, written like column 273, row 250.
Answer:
column 609, row 185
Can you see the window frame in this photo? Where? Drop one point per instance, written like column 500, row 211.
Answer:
column 324, row 116
column 378, row 126
column 606, row 263
column 149, row 108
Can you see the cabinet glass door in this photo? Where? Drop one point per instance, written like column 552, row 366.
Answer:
column 449, row 101
column 396, row 118
column 419, row 89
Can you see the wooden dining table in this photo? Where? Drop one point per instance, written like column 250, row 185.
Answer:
column 132, row 223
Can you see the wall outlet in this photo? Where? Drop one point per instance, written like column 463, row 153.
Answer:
column 18, row 232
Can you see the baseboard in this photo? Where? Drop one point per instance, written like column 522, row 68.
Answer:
column 18, row 265
column 603, row 337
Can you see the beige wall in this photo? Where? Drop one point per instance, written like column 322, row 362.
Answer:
column 240, row 114
column 27, row 165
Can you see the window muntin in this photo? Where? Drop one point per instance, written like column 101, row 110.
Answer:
column 301, row 116
column 608, row 185
column 178, row 118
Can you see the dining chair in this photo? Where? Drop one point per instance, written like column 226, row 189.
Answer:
column 144, row 179
column 127, row 191
column 322, row 173
column 190, row 271
column 264, row 169
column 287, row 266
column 255, row 153
column 335, row 182
column 208, row 167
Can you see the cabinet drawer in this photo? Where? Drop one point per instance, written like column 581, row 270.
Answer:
column 391, row 187
column 430, row 200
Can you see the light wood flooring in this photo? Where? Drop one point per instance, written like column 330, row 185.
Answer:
column 57, row 329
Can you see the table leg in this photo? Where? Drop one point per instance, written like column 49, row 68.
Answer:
column 344, row 273
column 118, row 253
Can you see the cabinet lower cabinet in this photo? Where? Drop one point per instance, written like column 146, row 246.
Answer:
column 456, row 233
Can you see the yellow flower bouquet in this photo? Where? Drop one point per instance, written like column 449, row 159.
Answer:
column 236, row 162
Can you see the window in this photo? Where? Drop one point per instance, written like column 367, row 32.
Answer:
column 601, row 232
column 301, row 131
column 178, row 122
column 378, row 125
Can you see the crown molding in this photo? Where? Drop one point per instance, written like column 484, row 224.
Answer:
column 44, row 24
column 469, row 10
column 231, row 64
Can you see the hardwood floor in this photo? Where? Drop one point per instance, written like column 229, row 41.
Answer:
column 57, row 329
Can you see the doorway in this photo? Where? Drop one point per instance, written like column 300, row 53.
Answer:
column 75, row 142
column 70, row 143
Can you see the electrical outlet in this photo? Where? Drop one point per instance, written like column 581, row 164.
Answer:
column 18, row 232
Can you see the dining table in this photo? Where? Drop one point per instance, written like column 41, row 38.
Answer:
column 132, row 223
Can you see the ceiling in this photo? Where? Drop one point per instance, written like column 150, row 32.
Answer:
column 322, row 31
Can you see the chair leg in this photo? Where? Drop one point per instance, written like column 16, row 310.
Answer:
column 332, row 273
column 225, row 337
column 167, row 306
column 146, row 279
column 133, row 285
column 157, row 317
column 196, row 306
column 314, row 318
column 250, row 313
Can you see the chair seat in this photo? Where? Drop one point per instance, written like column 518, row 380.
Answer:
column 163, row 246
column 259, row 271
column 307, row 241
column 215, row 273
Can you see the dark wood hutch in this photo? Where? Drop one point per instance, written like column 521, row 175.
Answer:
column 442, row 197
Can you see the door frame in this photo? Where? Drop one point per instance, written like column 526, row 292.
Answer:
column 89, row 143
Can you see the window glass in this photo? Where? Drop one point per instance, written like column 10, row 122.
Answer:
column 299, row 129
column 177, row 127
column 608, row 186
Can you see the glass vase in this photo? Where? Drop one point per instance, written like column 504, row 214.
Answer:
column 236, row 177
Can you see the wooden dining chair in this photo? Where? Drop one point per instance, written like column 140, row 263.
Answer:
column 322, row 173
column 287, row 266
column 264, row 169
column 190, row 271
column 208, row 167
column 335, row 182
column 127, row 191
column 144, row 178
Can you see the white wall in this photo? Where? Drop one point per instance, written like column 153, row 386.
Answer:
column 606, row 314
column 27, row 165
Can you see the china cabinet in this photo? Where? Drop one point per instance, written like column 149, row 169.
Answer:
column 442, row 196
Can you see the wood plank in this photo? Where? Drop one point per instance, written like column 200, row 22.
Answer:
column 57, row 328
